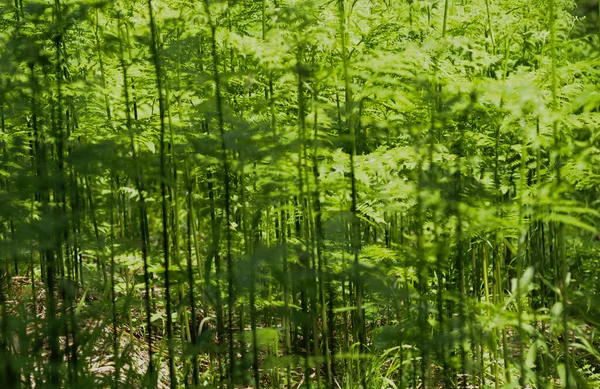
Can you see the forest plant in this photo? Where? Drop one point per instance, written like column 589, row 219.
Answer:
column 298, row 193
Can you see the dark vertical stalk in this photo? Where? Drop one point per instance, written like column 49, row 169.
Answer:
column 139, row 181
column 113, row 297
column 355, row 231
column 322, row 265
column 155, row 50
column 561, row 258
column 227, row 189
column 191, row 282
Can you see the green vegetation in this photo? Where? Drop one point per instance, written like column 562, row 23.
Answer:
column 299, row 194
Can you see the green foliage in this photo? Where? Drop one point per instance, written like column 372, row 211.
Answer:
column 346, row 194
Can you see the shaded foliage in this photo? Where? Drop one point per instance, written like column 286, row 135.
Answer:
column 299, row 193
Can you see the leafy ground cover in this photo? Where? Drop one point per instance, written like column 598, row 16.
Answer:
column 301, row 193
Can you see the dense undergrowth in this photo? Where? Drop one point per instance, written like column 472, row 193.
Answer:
column 303, row 193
